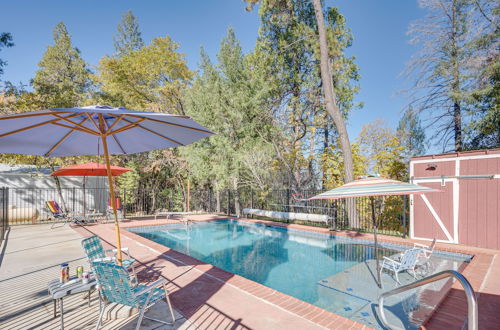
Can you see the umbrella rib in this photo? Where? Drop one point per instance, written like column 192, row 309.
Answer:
column 52, row 121
column 55, row 146
column 93, row 122
column 172, row 124
column 118, row 119
column 114, row 137
column 77, row 128
column 126, row 127
column 76, row 124
column 155, row 133
column 32, row 115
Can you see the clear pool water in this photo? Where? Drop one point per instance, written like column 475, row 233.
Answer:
column 309, row 266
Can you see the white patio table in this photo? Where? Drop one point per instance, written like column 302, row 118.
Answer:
column 58, row 291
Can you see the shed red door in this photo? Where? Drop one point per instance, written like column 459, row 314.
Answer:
column 480, row 204
column 433, row 213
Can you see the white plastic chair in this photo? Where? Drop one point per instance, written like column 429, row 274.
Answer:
column 407, row 261
column 426, row 254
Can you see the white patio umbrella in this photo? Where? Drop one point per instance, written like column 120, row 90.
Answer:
column 88, row 130
column 371, row 187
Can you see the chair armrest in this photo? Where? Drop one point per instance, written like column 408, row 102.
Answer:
column 115, row 251
column 391, row 260
column 152, row 286
column 418, row 245
column 426, row 252
column 107, row 259
column 125, row 249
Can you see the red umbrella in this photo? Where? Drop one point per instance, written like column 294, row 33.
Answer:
column 89, row 169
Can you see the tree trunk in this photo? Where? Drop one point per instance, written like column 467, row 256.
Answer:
column 457, row 114
column 325, row 150
column 236, row 197
column 329, row 94
column 217, row 201
column 333, row 108
column 457, row 121
column 153, row 200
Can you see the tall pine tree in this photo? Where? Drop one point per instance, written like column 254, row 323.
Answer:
column 129, row 37
column 230, row 98
column 5, row 41
column 63, row 78
column 450, row 68
column 411, row 134
column 289, row 34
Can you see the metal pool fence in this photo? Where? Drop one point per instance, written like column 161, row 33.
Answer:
column 4, row 204
column 28, row 205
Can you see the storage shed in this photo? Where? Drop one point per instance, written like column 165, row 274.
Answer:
column 467, row 211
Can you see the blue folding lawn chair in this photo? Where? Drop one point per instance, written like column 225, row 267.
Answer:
column 115, row 286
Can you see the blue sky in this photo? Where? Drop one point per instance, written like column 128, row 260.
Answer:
column 379, row 27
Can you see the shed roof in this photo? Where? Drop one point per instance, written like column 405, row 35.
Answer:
column 459, row 154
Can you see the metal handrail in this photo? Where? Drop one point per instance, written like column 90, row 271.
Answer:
column 469, row 293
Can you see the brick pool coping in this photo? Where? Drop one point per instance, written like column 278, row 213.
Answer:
column 450, row 312
column 318, row 317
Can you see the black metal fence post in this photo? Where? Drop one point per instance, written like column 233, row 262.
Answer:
column 4, row 220
column 124, row 203
column 251, row 200
column 73, row 200
column 288, row 200
column 405, row 230
column 209, row 208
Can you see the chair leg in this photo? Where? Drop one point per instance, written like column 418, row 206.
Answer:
column 90, row 292
column 143, row 310
column 135, row 275
column 167, row 298
column 397, row 278
column 141, row 316
column 102, row 308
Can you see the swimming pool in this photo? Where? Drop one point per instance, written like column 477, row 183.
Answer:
column 324, row 270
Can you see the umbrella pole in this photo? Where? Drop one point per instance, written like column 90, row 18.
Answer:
column 113, row 201
column 84, row 197
column 374, row 223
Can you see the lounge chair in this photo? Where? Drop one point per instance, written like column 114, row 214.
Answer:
column 56, row 213
column 427, row 250
column 119, row 210
column 95, row 252
column 115, row 287
column 407, row 261
column 426, row 254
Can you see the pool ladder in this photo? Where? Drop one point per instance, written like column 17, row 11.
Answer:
column 469, row 293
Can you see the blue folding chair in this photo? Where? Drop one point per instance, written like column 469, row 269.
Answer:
column 115, row 287
column 95, row 252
